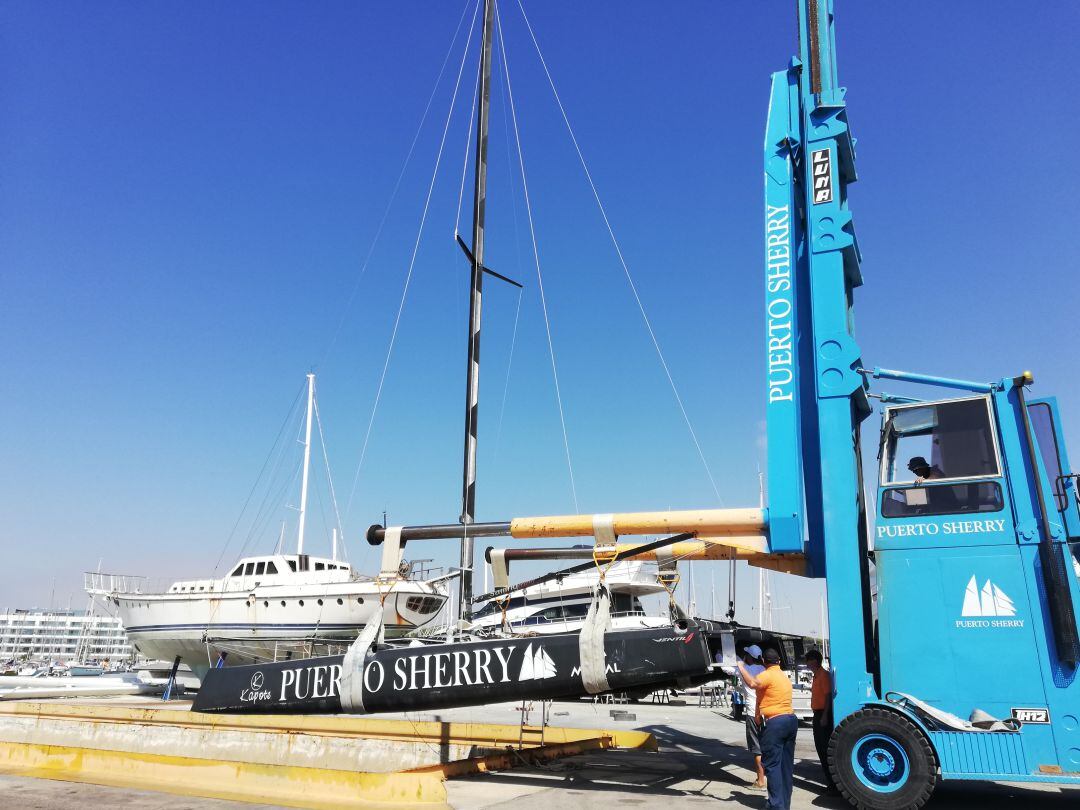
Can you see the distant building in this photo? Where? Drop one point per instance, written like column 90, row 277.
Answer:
column 61, row 635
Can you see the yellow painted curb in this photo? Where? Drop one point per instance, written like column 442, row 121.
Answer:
column 484, row 735
column 494, row 747
column 512, row 757
column 291, row 786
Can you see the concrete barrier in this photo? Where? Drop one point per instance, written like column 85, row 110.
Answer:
column 297, row 761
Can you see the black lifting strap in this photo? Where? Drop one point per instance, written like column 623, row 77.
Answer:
column 575, row 569
column 731, row 591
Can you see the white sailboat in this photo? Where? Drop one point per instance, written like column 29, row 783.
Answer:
column 268, row 607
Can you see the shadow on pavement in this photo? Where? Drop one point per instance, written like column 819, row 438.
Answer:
column 692, row 769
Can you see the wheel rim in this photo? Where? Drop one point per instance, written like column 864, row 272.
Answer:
column 880, row 763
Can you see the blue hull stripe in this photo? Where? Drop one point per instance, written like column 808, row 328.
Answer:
column 158, row 628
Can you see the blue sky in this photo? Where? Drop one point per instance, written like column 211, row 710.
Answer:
column 188, row 194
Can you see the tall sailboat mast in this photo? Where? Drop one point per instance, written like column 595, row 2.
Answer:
column 307, row 464
column 472, row 385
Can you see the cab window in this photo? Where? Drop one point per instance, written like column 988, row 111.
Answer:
column 942, row 499
column 1042, row 423
column 936, row 457
column 938, row 441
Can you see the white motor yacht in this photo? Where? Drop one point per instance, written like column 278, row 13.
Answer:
column 560, row 606
column 266, row 608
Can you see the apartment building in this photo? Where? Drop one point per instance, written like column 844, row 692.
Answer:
column 61, row 635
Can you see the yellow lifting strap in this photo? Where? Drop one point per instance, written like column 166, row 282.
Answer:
column 606, row 548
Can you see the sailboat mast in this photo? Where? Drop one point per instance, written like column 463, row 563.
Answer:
column 307, row 464
column 472, row 384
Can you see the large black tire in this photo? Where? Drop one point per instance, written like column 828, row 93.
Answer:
column 880, row 760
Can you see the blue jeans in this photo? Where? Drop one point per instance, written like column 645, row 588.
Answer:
column 778, row 758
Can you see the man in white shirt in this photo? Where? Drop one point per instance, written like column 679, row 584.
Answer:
column 751, row 657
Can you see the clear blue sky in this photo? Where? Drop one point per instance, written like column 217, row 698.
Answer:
column 188, row 193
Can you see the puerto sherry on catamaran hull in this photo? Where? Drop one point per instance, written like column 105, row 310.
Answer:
column 471, row 673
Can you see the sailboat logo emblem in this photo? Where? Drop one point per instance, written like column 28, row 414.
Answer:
column 537, row 665
column 990, row 600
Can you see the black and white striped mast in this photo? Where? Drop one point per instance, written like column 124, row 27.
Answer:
column 472, row 384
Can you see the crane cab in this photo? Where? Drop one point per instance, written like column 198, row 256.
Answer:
column 977, row 589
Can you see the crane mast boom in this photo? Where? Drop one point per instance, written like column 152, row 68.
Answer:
column 815, row 392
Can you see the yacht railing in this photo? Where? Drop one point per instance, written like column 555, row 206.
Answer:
column 97, row 583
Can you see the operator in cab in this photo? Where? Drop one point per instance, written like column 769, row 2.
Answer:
column 923, row 471
column 779, row 726
column 941, row 499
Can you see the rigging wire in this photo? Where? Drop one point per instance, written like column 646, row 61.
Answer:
column 517, row 266
column 278, row 496
column 412, row 265
column 273, row 497
column 329, row 479
column 468, row 143
column 397, row 186
column 258, row 478
column 506, row 383
column 317, row 493
column 536, row 255
column 622, row 260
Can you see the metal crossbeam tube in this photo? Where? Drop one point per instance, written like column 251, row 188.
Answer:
column 702, row 522
column 696, row 521
column 930, row 379
column 445, row 531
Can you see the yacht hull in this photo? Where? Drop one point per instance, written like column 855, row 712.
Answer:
column 270, row 623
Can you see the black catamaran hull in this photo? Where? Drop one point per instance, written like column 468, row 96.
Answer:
column 460, row 674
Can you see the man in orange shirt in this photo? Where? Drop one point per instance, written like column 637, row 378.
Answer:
column 821, row 691
column 779, row 727
column 752, row 660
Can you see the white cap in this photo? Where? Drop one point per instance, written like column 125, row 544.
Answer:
column 753, row 650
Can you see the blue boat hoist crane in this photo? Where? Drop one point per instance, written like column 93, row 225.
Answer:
column 976, row 594
column 952, row 614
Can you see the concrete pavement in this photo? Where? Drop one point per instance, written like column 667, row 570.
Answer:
column 702, row 762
